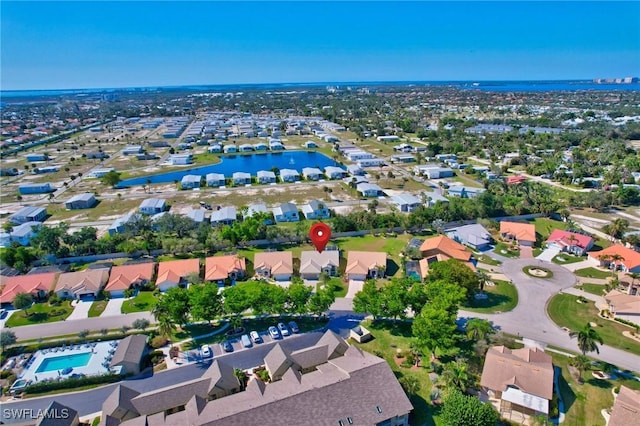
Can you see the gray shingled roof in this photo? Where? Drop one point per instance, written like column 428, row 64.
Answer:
column 170, row 397
column 336, row 344
column 57, row 420
column 221, row 375
column 118, row 404
column 130, row 349
column 277, row 361
column 310, row 357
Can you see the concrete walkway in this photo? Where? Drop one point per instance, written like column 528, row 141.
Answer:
column 81, row 309
column 114, row 307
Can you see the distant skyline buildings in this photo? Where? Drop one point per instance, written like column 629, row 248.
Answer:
column 66, row 45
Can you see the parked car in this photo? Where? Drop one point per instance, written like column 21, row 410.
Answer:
column 283, row 329
column 246, row 342
column 294, row 327
column 274, row 333
column 226, row 346
column 205, row 350
column 255, row 337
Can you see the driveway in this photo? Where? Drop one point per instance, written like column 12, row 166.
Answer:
column 548, row 254
column 81, row 309
column 354, row 287
column 5, row 317
column 113, row 307
column 526, row 252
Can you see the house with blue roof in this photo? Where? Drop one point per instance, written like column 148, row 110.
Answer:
column 190, row 181
column 286, row 212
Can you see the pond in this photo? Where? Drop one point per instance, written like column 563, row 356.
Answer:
column 253, row 163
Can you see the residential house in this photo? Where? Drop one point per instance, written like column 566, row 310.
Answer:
column 333, row 172
column 618, row 257
column 126, row 277
column 520, row 379
column 312, row 263
column 77, row 285
column 475, row 236
column 52, row 416
column 220, row 268
column 119, row 225
column 286, row 212
column 28, row 214
column 241, row 178
column 326, row 378
column 196, row 215
column 432, row 171
column 224, row 216
column 515, row 179
column 440, row 249
column 245, row 147
column 99, row 172
column 230, row 149
column 464, row 191
column 371, row 162
column 275, row 144
column 523, row 233
column 35, row 188
column 34, row 158
column 153, row 206
column 180, row 159
column 369, row 189
column 254, row 209
column 132, row 150
column 433, row 198
column 310, row 144
column 357, row 154
column 406, row 202
column 37, row 285
column 289, row 175
column 216, row 148
column 355, row 170
column 81, row 201
column 266, row 176
column 570, row 242
column 315, row 209
column 191, row 181
column 365, row 264
column 275, row 264
column 215, row 179
column 129, row 355
column 96, row 155
column 20, row 234
column 260, row 146
column 174, row 273
column 624, row 306
column 312, row 173
column 626, row 408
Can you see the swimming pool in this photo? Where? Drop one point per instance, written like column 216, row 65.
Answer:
column 64, row 361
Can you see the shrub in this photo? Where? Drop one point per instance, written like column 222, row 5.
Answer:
column 158, row 342
column 71, row 383
column 55, row 300
column 155, row 357
column 4, row 374
column 264, row 376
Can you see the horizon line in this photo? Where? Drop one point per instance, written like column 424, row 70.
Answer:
column 352, row 82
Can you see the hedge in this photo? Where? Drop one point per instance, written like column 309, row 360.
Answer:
column 74, row 382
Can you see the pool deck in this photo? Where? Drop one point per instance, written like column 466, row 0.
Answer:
column 99, row 350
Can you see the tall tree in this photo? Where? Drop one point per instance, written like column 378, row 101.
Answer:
column 205, row 302
column 580, row 363
column 479, row 329
column 175, row 303
column 588, row 339
column 434, row 329
column 463, row 410
column 298, row 296
column 23, row 301
column 368, row 300
column 456, row 272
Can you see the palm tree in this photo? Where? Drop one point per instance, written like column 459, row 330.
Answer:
column 588, row 338
column 166, row 326
column 478, row 329
column 241, row 376
column 614, row 258
column 455, row 376
column 581, row 363
column 483, row 279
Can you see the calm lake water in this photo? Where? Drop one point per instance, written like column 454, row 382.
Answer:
column 296, row 160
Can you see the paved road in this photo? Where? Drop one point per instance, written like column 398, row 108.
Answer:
column 530, row 320
column 37, row 331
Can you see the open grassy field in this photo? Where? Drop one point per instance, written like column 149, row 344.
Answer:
column 40, row 313
column 545, row 226
column 565, row 311
column 389, row 337
column 502, row 297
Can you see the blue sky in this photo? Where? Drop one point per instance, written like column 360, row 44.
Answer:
column 56, row 45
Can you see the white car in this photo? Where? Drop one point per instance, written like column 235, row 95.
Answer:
column 205, row 350
column 283, row 329
column 255, row 337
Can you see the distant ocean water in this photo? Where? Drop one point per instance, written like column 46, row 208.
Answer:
column 492, row 86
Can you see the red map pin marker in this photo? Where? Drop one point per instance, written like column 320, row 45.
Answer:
column 320, row 234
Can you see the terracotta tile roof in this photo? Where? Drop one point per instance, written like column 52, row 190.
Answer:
column 564, row 238
column 626, row 408
column 122, row 277
column 530, row 369
column 631, row 258
column 279, row 262
column 521, row 231
column 361, row 262
column 25, row 284
column 447, row 247
column 219, row 267
column 174, row 270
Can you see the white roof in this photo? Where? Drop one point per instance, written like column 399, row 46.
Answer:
column 524, row 399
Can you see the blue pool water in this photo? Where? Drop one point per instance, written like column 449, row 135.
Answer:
column 243, row 163
column 64, row 361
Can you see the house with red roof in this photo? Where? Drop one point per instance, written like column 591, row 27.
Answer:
column 618, row 257
column 37, row 285
column 125, row 277
column 221, row 268
column 515, row 179
column 174, row 273
column 570, row 242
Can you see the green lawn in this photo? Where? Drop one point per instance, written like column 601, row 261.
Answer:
column 592, row 272
column 565, row 311
column 503, row 297
column 545, row 226
column 596, row 289
column 97, row 308
column 389, row 337
column 544, row 272
column 504, row 250
column 483, row 258
column 339, row 287
column 144, row 301
column 40, row 313
column 565, row 259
